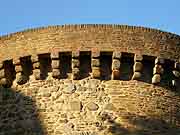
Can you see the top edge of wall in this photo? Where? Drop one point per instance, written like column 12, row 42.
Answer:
column 68, row 27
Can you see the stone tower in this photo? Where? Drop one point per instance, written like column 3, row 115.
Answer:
column 90, row 80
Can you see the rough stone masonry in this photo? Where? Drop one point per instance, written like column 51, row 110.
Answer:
column 90, row 80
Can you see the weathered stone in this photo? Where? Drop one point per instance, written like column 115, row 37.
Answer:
column 156, row 78
column 75, row 73
column 75, row 63
column 16, row 61
column 3, row 81
column 37, row 74
column 75, row 54
column 34, row 58
column 137, row 66
column 159, row 61
column 177, row 66
column 95, row 63
column 1, row 65
column 96, row 72
column 75, row 105
column 115, row 74
column 54, row 55
column 18, row 68
column 36, row 65
column 116, row 55
column 136, row 75
column 95, row 54
column 69, row 89
column 2, row 73
column 110, row 107
column 56, row 73
column 21, row 78
column 45, row 92
column 55, row 64
column 176, row 73
column 174, row 83
column 92, row 106
column 158, row 69
column 116, row 64
column 138, row 57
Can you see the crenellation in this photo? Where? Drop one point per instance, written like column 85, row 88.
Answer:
column 96, row 66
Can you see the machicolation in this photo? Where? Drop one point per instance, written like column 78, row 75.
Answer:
column 90, row 80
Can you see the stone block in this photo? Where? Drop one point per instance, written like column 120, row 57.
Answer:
column 115, row 74
column 156, row 79
column 3, row 81
column 137, row 66
column 16, row 61
column 75, row 73
column 92, row 106
column 75, row 54
column 158, row 69
column 95, row 63
column 138, row 57
column 1, row 65
column 2, row 73
column 75, row 105
column 34, row 58
column 159, row 61
column 56, row 73
column 116, row 64
column 96, row 73
column 69, row 89
column 136, row 76
column 37, row 74
column 95, row 54
column 21, row 78
column 177, row 66
column 36, row 65
column 55, row 64
column 54, row 55
column 176, row 73
column 116, row 55
column 75, row 63
column 18, row 68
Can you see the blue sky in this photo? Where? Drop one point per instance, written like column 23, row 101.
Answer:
column 17, row 15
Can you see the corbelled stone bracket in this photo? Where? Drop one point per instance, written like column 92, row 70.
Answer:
column 158, row 70
column 55, row 64
column 95, row 64
column 3, row 80
column 75, row 65
column 116, row 65
column 36, row 67
column 138, row 66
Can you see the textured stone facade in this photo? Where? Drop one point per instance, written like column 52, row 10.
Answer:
column 90, row 80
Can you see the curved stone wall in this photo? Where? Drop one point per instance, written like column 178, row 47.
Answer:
column 90, row 80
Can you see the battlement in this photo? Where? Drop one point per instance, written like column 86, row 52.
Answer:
column 103, row 65
column 98, row 51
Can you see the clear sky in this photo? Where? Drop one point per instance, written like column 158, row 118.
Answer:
column 17, row 15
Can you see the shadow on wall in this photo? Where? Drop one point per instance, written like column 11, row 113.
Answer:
column 144, row 126
column 18, row 114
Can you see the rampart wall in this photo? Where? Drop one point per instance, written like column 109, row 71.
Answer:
column 90, row 80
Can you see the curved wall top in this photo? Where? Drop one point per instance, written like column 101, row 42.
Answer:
column 139, row 40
